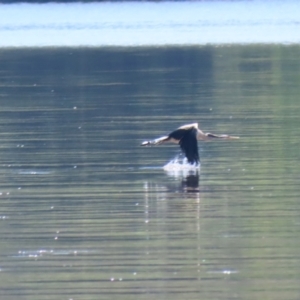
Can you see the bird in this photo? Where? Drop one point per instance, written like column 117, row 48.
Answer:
column 186, row 136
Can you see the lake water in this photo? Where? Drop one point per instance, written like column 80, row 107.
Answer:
column 86, row 213
column 164, row 23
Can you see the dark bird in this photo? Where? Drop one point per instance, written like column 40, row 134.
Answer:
column 186, row 136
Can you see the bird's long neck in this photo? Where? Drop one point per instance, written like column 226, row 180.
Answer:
column 210, row 136
column 201, row 135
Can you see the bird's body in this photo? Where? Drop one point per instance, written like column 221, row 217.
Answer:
column 186, row 136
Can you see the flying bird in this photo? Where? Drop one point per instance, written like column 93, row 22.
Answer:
column 186, row 136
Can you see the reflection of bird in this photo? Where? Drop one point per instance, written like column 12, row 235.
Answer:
column 186, row 136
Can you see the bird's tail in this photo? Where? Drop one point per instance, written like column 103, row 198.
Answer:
column 156, row 141
column 222, row 136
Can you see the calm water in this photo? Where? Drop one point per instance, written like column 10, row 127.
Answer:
column 136, row 23
column 88, row 214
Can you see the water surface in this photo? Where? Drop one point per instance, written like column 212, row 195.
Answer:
column 88, row 214
column 148, row 23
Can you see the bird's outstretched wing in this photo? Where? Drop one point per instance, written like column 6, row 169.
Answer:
column 188, row 144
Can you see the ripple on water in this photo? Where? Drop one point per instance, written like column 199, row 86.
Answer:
column 180, row 167
column 50, row 252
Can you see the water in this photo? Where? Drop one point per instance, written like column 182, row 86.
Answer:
column 133, row 23
column 86, row 213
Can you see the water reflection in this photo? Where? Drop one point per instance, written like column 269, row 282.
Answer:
column 190, row 183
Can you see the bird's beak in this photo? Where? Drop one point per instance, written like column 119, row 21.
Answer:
column 146, row 143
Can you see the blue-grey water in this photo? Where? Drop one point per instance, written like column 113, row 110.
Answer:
column 86, row 213
column 143, row 23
